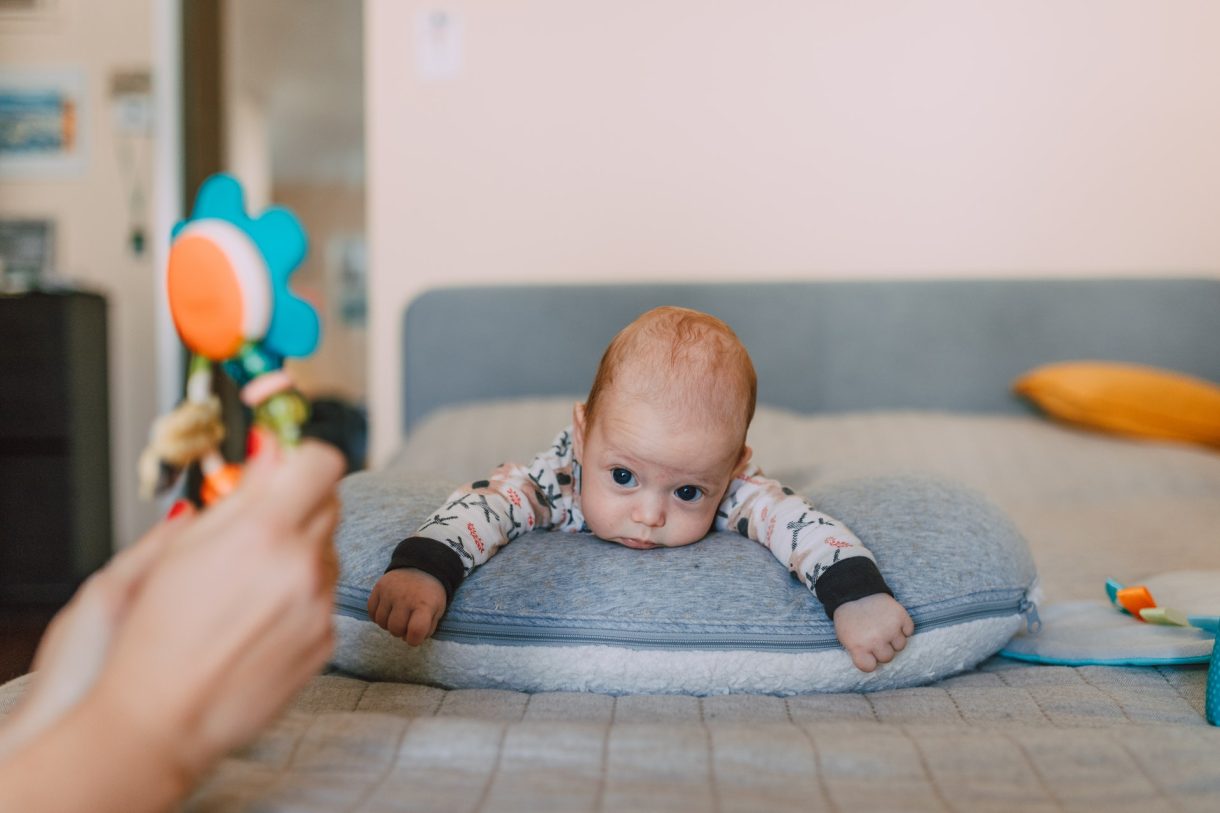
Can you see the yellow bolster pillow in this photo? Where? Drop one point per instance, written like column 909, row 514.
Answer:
column 1128, row 399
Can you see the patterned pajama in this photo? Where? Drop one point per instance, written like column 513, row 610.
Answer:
column 481, row 517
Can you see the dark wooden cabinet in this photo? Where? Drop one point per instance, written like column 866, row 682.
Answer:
column 55, row 523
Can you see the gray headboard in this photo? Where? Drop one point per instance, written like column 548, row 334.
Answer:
column 817, row 346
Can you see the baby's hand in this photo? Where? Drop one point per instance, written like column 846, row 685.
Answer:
column 407, row 603
column 873, row 629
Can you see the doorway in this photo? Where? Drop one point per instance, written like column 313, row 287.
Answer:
column 274, row 94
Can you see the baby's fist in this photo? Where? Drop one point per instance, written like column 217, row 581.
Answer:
column 873, row 629
column 408, row 604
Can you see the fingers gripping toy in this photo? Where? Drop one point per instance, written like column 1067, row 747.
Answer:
column 227, row 284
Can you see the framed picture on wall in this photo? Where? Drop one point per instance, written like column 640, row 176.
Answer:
column 42, row 122
column 27, row 250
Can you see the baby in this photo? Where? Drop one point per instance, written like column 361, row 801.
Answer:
column 656, row 457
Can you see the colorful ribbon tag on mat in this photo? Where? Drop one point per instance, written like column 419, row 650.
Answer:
column 1137, row 601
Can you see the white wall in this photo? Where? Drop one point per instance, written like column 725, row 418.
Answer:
column 632, row 140
column 91, row 214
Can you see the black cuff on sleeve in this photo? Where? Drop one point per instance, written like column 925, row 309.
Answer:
column 849, row 580
column 432, row 557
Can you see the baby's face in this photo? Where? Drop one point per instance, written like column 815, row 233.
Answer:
column 650, row 479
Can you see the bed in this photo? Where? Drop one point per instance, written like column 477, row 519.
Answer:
column 856, row 379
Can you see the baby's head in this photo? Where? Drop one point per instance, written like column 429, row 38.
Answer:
column 663, row 431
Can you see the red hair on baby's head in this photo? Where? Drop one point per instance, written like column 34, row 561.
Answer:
column 681, row 359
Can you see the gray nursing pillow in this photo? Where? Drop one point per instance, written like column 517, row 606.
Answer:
column 569, row 612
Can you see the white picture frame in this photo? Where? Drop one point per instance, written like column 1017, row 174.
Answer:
column 43, row 122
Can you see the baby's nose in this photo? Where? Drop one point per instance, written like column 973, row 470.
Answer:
column 649, row 511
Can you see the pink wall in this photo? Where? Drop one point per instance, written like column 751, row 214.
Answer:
column 687, row 139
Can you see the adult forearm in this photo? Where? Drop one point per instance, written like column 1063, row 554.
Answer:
column 92, row 760
column 15, row 731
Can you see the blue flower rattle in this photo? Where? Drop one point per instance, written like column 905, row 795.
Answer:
column 227, row 285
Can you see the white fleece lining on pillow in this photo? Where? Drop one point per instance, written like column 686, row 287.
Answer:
column 928, row 656
column 711, row 618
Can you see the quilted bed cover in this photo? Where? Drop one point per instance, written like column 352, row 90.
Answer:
column 1006, row 736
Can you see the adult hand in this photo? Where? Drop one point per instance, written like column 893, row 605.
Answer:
column 235, row 616
column 73, row 650
column 183, row 647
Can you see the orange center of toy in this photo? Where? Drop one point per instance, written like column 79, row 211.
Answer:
column 205, row 297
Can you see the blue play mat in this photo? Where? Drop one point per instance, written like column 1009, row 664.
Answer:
column 1084, row 633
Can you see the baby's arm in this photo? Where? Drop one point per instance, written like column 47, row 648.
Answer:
column 427, row 567
column 828, row 558
column 408, row 603
column 463, row 533
column 873, row 629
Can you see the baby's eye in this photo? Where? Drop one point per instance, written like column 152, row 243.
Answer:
column 688, row 493
column 623, row 477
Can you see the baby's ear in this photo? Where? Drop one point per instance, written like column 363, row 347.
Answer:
column 578, row 429
column 743, row 461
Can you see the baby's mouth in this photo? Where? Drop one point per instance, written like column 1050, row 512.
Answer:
column 638, row 544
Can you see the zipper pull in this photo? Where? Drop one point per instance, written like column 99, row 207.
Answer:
column 1030, row 610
